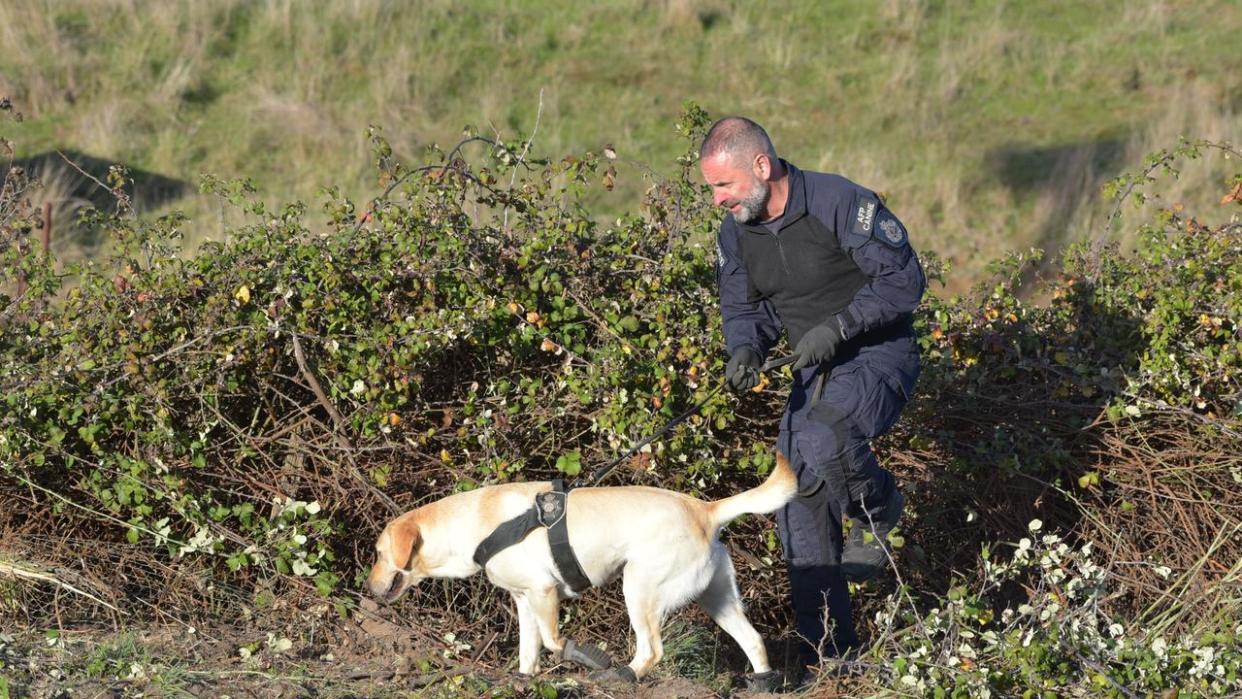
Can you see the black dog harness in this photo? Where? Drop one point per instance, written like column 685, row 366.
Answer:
column 549, row 508
column 549, row 511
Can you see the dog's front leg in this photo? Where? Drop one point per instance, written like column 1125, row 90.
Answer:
column 528, row 634
column 545, row 604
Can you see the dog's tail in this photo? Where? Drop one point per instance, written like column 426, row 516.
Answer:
column 777, row 490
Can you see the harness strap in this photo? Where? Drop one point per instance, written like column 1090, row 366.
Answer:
column 548, row 511
column 558, row 538
column 506, row 535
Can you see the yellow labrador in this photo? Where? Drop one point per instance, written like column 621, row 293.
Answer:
column 663, row 543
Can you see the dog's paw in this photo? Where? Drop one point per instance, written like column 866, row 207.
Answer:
column 616, row 675
column 590, row 657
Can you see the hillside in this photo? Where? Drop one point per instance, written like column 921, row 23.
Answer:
column 989, row 125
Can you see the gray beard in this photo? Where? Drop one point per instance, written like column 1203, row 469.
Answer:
column 753, row 205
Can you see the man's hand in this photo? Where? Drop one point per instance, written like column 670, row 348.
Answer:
column 818, row 345
column 742, row 371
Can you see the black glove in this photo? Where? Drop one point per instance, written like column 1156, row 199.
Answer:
column 742, row 371
column 818, row 345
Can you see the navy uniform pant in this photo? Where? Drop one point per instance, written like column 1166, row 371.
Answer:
column 831, row 452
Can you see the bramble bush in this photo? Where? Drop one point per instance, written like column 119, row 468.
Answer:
column 1110, row 408
column 251, row 404
column 247, row 418
column 1060, row 640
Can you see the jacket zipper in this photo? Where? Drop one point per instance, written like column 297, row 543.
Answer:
column 781, row 249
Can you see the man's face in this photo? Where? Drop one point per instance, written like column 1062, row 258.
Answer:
column 738, row 188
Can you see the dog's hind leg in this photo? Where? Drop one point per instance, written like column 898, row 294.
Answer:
column 642, row 601
column 528, row 633
column 721, row 601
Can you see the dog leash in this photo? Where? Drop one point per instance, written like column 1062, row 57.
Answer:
column 598, row 474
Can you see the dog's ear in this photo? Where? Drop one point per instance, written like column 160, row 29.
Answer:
column 405, row 542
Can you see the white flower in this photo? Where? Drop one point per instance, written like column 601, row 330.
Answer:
column 1159, row 647
column 201, row 541
column 1205, row 657
column 359, row 387
column 1035, row 525
column 1115, row 630
column 1164, row 571
column 300, row 567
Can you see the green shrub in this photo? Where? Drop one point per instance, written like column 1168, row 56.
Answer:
column 1059, row 640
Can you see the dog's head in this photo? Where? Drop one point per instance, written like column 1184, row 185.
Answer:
column 396, row 566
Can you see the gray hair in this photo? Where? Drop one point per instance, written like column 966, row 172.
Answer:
column 737, row 137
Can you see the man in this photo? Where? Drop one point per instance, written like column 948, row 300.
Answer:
column 822, row 258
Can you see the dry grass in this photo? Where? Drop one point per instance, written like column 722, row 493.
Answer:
column 908, row 97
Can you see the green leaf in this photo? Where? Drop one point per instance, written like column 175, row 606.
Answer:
column 570, row 463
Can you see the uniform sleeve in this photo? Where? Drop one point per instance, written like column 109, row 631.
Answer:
column 746, row 321
column 878, row 243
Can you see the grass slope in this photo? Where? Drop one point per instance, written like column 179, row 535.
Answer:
column 989, row 124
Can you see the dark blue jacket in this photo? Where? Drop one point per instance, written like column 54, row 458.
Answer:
column 840, row 256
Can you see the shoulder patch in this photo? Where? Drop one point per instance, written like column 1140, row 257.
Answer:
column 864, row 215
column 889, row 230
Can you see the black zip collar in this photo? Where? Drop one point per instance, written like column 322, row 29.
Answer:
column 795, row 205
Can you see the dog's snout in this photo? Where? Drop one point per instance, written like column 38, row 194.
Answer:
column 394, row 588
column 386, row 590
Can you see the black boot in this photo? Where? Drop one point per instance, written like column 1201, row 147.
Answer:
column 866, row 547
column 810, row 586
